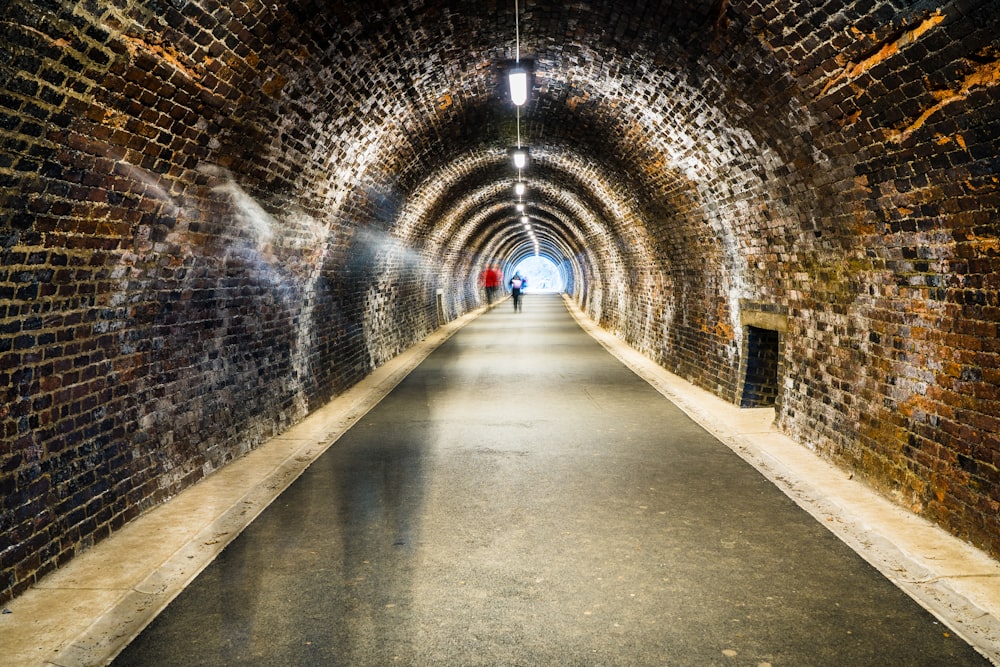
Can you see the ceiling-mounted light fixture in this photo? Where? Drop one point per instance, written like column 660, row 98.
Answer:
column 519, row 207
column 520, row 156
column 524, row 220
column 519, row 189
column 518, row 79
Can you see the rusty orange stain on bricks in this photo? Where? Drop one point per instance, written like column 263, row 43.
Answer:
column 892, row 48
column 274, row 86
column 889, row 49
column 984, row 76
column 576, row 100
column 167, row 54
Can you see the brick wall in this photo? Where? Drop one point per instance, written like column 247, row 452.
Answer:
column 190, row 265
column 218, row 215
column 894, row 303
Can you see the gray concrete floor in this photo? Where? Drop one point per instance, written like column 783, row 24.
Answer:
column 521, row 497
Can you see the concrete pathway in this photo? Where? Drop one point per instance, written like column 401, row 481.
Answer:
column 521, row 498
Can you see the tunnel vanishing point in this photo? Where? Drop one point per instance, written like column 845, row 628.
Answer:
column 217, row 215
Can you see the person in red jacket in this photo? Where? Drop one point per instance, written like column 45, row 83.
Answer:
column 491, row 283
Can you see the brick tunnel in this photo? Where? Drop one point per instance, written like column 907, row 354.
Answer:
column 219, row 215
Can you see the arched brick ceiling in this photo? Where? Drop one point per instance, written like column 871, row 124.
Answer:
column 692, row 149
column 243, row 207
column 625, row 124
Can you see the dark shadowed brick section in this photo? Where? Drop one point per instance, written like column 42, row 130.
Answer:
column 217, row 216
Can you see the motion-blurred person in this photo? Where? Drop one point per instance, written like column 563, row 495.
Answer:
column 490, row 280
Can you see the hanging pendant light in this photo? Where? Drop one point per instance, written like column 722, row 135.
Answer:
column 518, row 76
column 520, row 158
column 518, row 79
column 519, row 189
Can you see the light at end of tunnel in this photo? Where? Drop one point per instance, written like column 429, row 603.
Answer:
column 519, row 188
column 518, row 78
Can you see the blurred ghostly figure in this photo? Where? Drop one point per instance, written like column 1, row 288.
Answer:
column 490, row 280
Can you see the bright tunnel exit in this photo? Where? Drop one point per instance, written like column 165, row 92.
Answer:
column 541, row 273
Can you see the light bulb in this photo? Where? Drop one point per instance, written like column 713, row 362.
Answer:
column 518, row 78
column 520, row 158
column 519, row 188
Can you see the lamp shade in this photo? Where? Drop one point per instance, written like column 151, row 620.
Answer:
column 518, row 78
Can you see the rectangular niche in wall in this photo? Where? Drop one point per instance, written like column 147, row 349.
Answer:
column 760, row 388
column 762, row 354
column 439, row 301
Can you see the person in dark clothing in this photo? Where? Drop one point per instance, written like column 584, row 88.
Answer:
column 517, row 286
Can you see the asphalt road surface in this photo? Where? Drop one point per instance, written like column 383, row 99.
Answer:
column 522, row 498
